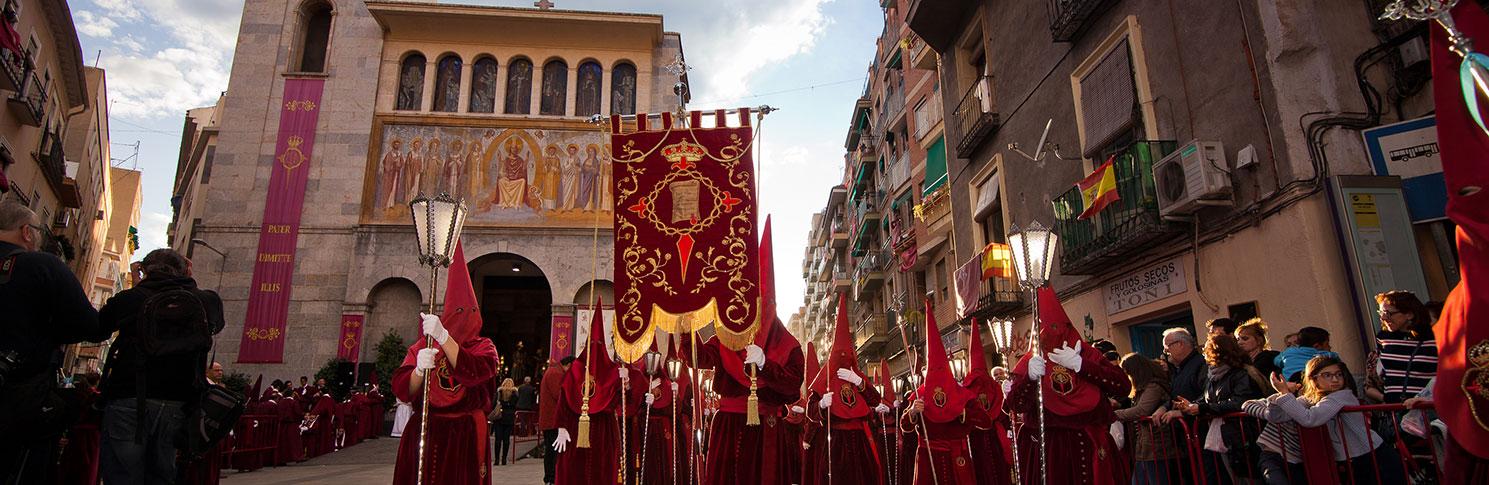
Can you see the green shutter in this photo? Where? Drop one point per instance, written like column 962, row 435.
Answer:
column 935, row 166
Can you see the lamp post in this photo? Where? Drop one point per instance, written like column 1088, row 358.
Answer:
column 675, row 369
column 1033, row 253
column 437, row 224
column 1003, row 343
column 221, row 266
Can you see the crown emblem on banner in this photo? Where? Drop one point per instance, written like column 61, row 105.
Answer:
column 682, row 153
column 292, row 157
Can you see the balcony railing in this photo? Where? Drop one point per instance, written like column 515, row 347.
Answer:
column 976, row 117
column 899, row 173
column 921, row 54
column 53, row 161
column 892, row 108
column 1128, row 226
column 1069, row 17
column 15, row 67
column 1000, row 296
column 872, row 328
column 869, row 275
column 927, row 115
column 28, row 104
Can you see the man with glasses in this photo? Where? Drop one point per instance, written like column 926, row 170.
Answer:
column 1186, row 368
column 43, row 308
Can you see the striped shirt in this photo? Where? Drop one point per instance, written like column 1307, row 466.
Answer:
column 1409, row 364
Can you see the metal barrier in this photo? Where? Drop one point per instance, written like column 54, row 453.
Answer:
column 1175, row 453
column 255, row 437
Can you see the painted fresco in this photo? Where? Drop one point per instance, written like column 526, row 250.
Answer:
column 508, row 176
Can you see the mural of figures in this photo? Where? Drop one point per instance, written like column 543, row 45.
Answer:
column 447, row 84
column 483, row 86
column 519, row 87
column 623, row 89
column 569, row 194
column 521, row 177
column 411, row 83
column 587, row 101
column 548, row 176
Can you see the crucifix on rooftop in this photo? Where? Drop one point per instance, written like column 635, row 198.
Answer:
column 543, row 4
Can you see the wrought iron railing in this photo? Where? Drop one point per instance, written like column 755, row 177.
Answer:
column 53, row 161
column 1000, row 296
column 873, row 327
column 976, row 116
column 899, row 172
column 31, row 100
column 927, row 114
column 1068, row 18
column 1125, row 227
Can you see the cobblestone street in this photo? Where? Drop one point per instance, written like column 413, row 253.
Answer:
column 371, row 463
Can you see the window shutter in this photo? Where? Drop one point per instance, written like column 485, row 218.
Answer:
column 986, row 194
column 1108, row 100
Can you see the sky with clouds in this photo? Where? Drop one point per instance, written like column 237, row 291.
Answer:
column 808, row 57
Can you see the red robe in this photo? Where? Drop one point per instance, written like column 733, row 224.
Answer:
column 600, row 463
column 795, row 431
column 750, row 454
column 291, row 447
column 321, row 437
column 948, row 448
column 1081, row 450
column 990, row 443
column 664, row 438
column 373, row 427
column 853, row 445
column 455, row 452
column 79, row 460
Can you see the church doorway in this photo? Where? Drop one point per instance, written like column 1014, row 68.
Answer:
column 516, row 311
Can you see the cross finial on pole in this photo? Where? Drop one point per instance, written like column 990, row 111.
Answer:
column 543, row 4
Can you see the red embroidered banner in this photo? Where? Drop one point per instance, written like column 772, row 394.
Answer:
column 561, row 338
column 349, row 347
column 684, row 230
column 274, row 265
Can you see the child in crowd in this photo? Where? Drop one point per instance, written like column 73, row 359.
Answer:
column 1312, row 342
column 1281, row 459
column 1328, row 387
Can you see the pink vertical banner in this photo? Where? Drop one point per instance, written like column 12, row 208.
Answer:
column 274, row 264
column 349, row 346
column 561, row 338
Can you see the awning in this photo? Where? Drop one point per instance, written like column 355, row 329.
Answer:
column 987, row 195
column 935, row 166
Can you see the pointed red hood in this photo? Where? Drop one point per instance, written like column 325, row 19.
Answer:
column 767, row 287
column 258, row 385
column 986, row 391
column 1073, row 395
column 847, row 402
column 594, row 364
column 771, row 336
column 462, row 316
column 945, row 400
column 811, row 380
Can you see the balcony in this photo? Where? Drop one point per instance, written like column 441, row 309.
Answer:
column 975, row 117
column 839, row 233
column 866, row 220
column 16, row 68
column 1126, row 227
column 54, row 167
column 927, row 116
column 28, row 104
column 934, row 206
column 1068, row 18
column 869, row 275
column 892, row 108
column 939, row 22
column 921, row 54
column 870, row 330
column 1000, row 297
column 898, row 173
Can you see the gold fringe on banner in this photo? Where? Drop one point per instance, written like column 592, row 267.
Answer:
column 752, row 405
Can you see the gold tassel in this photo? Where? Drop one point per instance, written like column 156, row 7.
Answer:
column 752, row 405
column 583, row 441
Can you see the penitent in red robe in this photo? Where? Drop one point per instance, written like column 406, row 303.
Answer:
column 739, row 453
column 854, row 445
column 291, row 447
column 947, row 442
column 321, row 437
column 455, row 452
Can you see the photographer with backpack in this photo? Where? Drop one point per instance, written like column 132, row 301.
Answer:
column 42, row 308
column 154, row 379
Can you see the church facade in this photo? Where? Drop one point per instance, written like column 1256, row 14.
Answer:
column 490, row 104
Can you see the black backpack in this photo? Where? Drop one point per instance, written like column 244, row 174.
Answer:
column 173, row 322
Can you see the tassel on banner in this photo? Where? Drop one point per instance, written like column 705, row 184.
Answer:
column 752, row 405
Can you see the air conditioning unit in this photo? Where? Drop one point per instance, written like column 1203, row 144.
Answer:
column 1194, row 176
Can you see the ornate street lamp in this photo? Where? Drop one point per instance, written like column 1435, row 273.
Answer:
column 437, row 225
column 1003, row 344
column 1033, row 256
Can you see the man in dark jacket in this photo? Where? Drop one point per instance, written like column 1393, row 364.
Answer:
column 1186, row 368
column 133, row 451
column 527, row 395
column 44, row 308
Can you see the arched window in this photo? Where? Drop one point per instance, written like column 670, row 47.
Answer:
column 519, row 99
column 587, row 103
column 315, row 36
column 555, row 88
column 623, row 89
column 411, row 82
column 483, row 86
column 447, row 84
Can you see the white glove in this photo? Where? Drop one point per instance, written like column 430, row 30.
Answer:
column 826, row 401
column 425, row 361
column 655, row 383
column 624, row 373
column 754, row 355
column 433, row 328
column 850, row 377
column 1036, row 367
column 650, row 398
column 561, row 443
column 1068, row 357
column 882, row 408
column 897, row 403
column 798, row 409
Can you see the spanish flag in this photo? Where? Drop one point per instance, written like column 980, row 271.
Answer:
column 1099, row 189
column 997, row 261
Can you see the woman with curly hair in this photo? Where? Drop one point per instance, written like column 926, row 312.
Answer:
column 1232, row 380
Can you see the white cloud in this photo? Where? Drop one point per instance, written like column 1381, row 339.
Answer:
column 93, row 25
column 152, row 232
column 190, row 72
column 752, row 38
